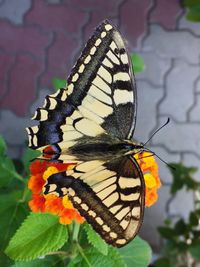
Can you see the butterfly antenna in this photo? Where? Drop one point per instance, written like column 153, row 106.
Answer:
column 153, row 153
column 168, row 120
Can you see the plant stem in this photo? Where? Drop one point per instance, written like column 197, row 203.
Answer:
column 83, row 255
column 24, row 195
column 59, row 252
column 76, row 232
column 17, row 176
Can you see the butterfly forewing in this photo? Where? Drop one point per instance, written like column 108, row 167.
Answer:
column 110, row 195
column 100, row 96
column 96, row 111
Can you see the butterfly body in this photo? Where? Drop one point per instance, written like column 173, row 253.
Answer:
column 91, row 123
column 100, row 147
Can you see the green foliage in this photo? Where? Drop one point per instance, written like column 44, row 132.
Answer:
column 3, row 147
column 37, row 239
column 137, row 253
column 59, row 83
column 7, row 168
column 48, row 235
column 28, row 156
column 193, row 10
column 95, row 240
column 182, row 246
column 183, row 177
column 92, row 258
column 163, row 262
column 48, row 261
column 137, row 62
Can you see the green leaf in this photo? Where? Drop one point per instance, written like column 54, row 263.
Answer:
column 48, row 261
column 3, row 146
column 7, row 168
column 180, row 227
column 162, row 262
column 191, row 3
column 12, row 213
column 166, row 232
column 28, row 156
column 95, row 240
column 194, row 249
column 92, row 258
column 7, row 171
column 137, row 63
column 137, row 253
column 170, row 247
column 182, row 246
column 194, row 218
column 4, row 260
column 193, row 14
column 59, row 83
column 35, row 263
column 39, row 234
column 183, row 177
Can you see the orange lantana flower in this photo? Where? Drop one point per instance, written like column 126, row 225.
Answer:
column 149, row 168
column 62, row 206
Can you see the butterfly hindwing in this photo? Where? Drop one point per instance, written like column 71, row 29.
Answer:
column 100, row 96
column 110, row 195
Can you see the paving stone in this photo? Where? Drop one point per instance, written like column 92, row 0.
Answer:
column 55, row 17
column 59, row 59
column 156, row 68
column 54, row 2
column 22, row 84
column 107, row 7
column 12, row 128
column 154, row 217
column 146, row 115
column 191, row 160
column 133, row 19
column 198, row 85
column 169, row 44
column 78, row 18
column 14, row 10
column 14, row 152
column 164, row 172
column 23, row 39
column 194, row 114
column 95, row 19
column 6, row 63
column 187, row 25
column 179, row 90
column 165, row 13
column 182, row 204
column 180, row 137
column 39, row 101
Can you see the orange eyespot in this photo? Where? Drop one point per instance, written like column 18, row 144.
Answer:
column 49, row 151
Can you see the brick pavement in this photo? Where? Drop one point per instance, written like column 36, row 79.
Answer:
column 40, row 40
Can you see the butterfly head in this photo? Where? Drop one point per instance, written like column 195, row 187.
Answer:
column 135, row 147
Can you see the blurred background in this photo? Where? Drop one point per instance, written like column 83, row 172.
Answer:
column 40, row 40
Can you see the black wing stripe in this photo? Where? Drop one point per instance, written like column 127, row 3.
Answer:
column 115, row 219
column 106, row 45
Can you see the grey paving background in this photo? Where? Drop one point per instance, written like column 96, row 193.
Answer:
column 169, row 87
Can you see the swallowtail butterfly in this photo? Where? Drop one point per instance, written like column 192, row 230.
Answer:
column 91, row 123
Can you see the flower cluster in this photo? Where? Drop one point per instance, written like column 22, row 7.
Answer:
column 61, row 206
column 149, row 169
